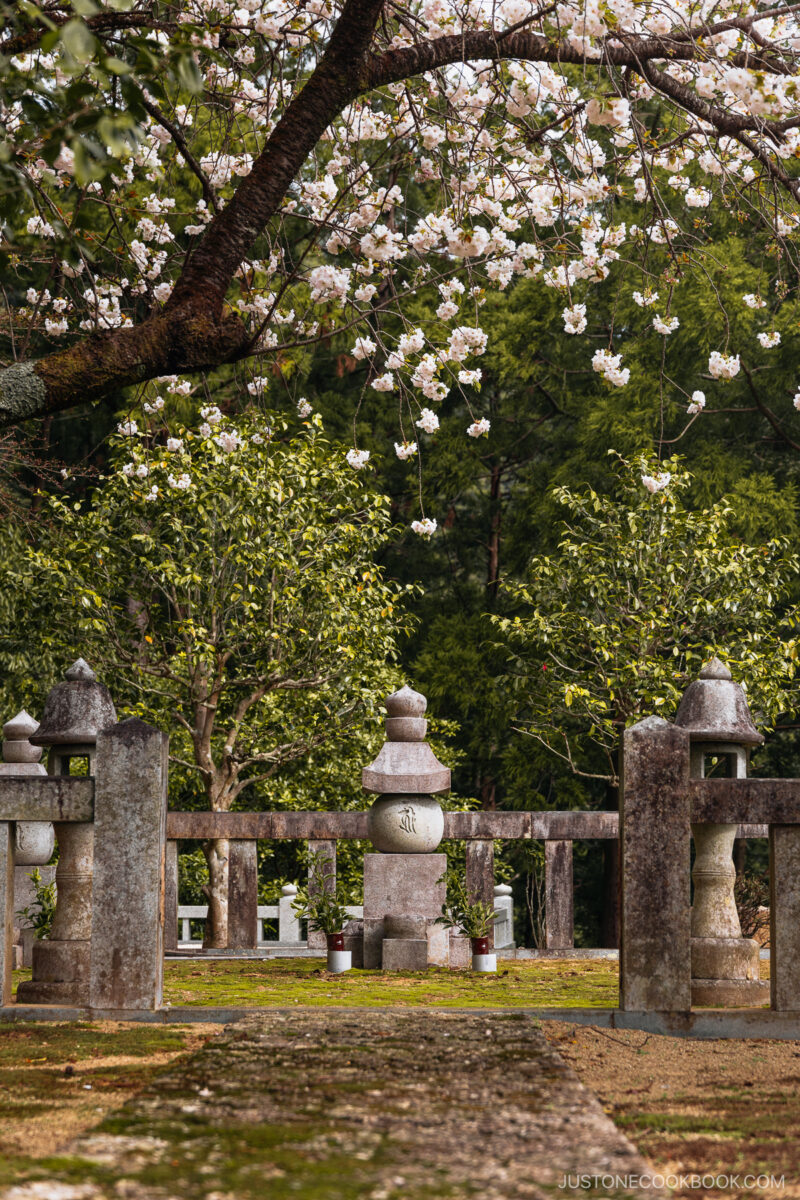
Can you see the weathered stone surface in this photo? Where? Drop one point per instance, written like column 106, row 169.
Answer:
column 405, row 824
column 504, row 921
column 34, row 842
column 399, row 925
column 406, row 764
column 72, row 922
column 479, row 874
column 60, row 962
column 725, row 958
column 460, row 952
column 242, row 895
column 316, row 938
column 655, row 966
column 75, row 711
column 748, row 801
column 46, row 798
column 128, row 910
column 559, row 904
column 171, row 896
column 402, row 885
column 714, row 709
column 784, row 914
column 6, row 909
column 462, row 1105
column 405, row 954
column 714, row 913
column 729, row 993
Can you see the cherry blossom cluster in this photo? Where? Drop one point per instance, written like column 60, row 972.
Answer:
column 514, row 171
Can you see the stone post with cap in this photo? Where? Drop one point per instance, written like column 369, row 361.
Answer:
column 33, row 840
column 75, row 713
column 725, row 966
column 403, row 894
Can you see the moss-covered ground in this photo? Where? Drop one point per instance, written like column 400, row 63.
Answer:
column 325, row 1105
column 537, row 983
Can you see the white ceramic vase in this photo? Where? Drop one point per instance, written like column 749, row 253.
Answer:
column 339, row 961
column 484, row 963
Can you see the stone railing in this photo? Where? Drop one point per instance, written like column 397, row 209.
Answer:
column 322, row 831
column 289, row 927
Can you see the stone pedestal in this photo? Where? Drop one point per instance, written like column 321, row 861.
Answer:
column 725, row 966
column 61, row 962
column 404, row 886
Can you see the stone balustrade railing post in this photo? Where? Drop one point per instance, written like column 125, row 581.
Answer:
column 504, row 921
column 33, row 840
column 288, row 921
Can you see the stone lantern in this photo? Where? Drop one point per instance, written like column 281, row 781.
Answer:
column 406, row 819
column 33, row 840
column 404, row 887
column 725, row 966
column 75, row 711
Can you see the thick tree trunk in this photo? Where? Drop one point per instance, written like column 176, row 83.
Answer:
column 217, row 855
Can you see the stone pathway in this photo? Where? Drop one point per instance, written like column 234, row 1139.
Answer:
column 372, row 1105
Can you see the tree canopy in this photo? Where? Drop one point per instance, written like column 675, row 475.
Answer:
column 200, row 182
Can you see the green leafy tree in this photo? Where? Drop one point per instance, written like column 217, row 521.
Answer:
column 225, row 583
column 641, row 591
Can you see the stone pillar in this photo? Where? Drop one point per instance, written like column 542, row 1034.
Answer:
column 316, row 938
column 75, row 712
column 558, row 891
column 655, row 966
column 504, row 921
column 288, row 921
column 6, row 910
column 171, row 896
column 784, row 914
column 127, row 917
column 242, row 894
column 479, row 874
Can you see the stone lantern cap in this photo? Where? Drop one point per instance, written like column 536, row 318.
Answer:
column 75, row 711
column 406, row 763
column 714, row 709
column 16, row 744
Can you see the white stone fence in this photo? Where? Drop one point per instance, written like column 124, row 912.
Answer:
column 290, row 930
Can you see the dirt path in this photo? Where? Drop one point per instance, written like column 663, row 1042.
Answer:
column 319, row 1105
column 702, row 1108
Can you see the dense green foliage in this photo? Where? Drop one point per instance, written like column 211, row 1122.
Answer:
column 641, row 592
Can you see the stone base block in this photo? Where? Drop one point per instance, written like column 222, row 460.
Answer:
column 405, row 954
column 60, row 962
column 33, row 992
column 724, row 958
column 317, row 940
column 28, row 940
column 438, row 946
column 729, row 993
column 401, row 886
column 460, row 952
column 373, row 943
column 354, row 942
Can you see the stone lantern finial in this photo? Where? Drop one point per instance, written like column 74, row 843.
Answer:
column 16, row 740
column 406, row 763
column 33, row 840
